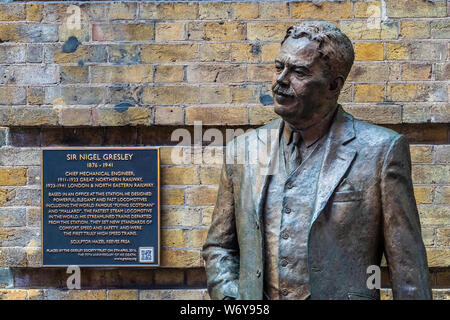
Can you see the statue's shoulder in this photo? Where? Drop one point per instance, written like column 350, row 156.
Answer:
column 373, row 135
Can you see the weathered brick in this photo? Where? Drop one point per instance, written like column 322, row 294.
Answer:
column 209, row 175
column 376, row 114
column 169, row 73
column 66, row 31
column 274, row 10
column 308, row 10
column 428, row 236
column 215, row 52
column 121, row 11
column 179, row 294
column 29, row 33
column 169, row 11
column 215, row 94
column 374, row 72
column 83, row 54
column 369, row 51
column 243, row 52
column 20, row 157
column 169, row 95
column 421, row 154
column 179, row 176
column 11, row 54
column 361, row 30
column 415, row 29
column 433, row 215
column 33, row 217
column 442, row 195
column 201, row 196
column 12, row 217
column 224, row 73
column 260, row 73
column 122, row 74
column 440, row 29
column 20, row 237
column 173, row 237
column 213, row 10
column 243, row 10
column 169, row 115
column 217, row 115
column 74, row 74
column 169, row 52
column 180, row 258
column 13, row 176
column 422, row 113
column 429, row 174
column 415, row 8
column 57, row 294
column 369, row 92
column 367, row 9
column 12, row 12
column 438, row 257
column 416, row 92
column 442, row 153
column 34, row 11
column 269, row 52
column 123, row 294
column 13, row 294
column 197, row 237
column 122, row 116
column 423, row 195
column 124, row 54
column 245, row 94
column 74, row 95
column 207, row 216
column 415, row 51
column 416, row 71
column 346, row 94
column 443, row 237
column 28, row 116
column 441, row 294
column 12, row 257
column 170, row 31
column 169, row 277
column 180, row 217
column 216, row 31
column 172, row 196
column 267, row 31
column 261, row 115
column 30, row 75
column 122, row 32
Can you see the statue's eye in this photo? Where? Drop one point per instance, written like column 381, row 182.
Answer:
column 279, row 67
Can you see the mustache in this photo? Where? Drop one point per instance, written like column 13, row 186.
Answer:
column 285, row 91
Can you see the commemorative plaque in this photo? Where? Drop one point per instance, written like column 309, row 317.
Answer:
column 100, row 207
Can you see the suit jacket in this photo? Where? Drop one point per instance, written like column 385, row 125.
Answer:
column 364, row 207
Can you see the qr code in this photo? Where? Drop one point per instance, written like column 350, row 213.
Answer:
column 146, row 254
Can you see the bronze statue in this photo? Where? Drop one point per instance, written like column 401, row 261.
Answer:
column 341, row 195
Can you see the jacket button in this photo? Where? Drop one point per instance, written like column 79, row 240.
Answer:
column 289, row 186
column 258, row 273
column 284, row 292
column 284, row 235
column 284, row 263
column 287, row 210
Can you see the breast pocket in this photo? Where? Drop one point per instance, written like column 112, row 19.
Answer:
column 345, row 196
column 345, row 206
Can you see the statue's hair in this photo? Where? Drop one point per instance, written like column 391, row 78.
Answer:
column 334, row 46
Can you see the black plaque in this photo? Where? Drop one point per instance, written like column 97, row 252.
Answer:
column 100, row 207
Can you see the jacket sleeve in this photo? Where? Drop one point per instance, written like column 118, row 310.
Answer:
column 404, row 249
column 221, row 251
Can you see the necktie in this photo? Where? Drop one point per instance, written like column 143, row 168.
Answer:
column 296, row 158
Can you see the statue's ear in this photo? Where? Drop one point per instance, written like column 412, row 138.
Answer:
column 336, row 85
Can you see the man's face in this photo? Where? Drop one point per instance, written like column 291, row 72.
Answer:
column 300, row 84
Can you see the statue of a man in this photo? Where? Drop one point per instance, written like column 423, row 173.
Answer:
column 341, row 195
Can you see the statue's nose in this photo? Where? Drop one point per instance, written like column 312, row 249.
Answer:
column 282, row 79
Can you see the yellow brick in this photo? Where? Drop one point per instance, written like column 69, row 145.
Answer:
column 218, row 73
column 12, row 12
column 421, row 154
column 415, row 29
column 438, row 257
column 120, row 294
column 180, row 258
column 172, row 196
column 75, row 116
column 416, row 71
column 217, row 115
column 34, row 11
column 261, row 115
column 366, row 51
column 415, row 8
column 169, row 115
column 428, row 236
column 169, row 73
column 166, row 277
column 209, row 175
column 423, row 195
column 123, row 32
column 243, row 10
column 122, row 74
column 13, row 176
column 173, row 238
column 309, row 10
column 207, row 216
column 179, row 176
column 442, row 195
column 433, row 215
column 418, row 50
column 367, row 9
column 121, row 11
column 215, row 52
column 213, row 10
column 243, row 52
column 170, row 95
column 215, row 94
column 260, row 73
column 267, row 31
column 169, row 11
column 244, row 94
column 361, row 30
column 228, row 31
column 197, row 237
column 169, row 52
column 443, row 237
column 13, row 294
column 269, row 52
column 369, row 92
column 186, row 217
column 201, row 196
column 169, row 31
column 274, row 10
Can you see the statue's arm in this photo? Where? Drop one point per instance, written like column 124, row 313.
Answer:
column 403, row 244
column 221, row 251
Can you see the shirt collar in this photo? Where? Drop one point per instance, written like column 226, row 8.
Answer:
column 313, row 133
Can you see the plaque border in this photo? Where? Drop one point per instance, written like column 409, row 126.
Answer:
column 144, row 265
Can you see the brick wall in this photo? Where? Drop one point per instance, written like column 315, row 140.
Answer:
column 135, row 71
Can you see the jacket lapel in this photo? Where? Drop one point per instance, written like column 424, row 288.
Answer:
column 336, row 162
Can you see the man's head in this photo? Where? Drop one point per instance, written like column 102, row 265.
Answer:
column 310, row 70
